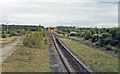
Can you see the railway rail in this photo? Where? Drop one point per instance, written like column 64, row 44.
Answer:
column 69, row 60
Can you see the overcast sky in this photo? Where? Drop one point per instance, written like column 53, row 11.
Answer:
column 100, row 13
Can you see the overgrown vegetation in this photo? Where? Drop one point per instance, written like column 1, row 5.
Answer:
column 102, row 37
column 36, row 39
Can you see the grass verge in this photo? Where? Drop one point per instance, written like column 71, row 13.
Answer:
column 8, row 40
column 26, row 59
column 98, row 60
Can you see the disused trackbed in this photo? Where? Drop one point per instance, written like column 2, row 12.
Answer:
column 75, row 64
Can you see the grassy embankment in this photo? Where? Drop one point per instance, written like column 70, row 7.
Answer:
column 98, row 60
column 28, row 59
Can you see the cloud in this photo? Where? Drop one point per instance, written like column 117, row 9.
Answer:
column 57, row 13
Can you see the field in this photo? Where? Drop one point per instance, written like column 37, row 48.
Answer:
column 26, row 59
column 98, row 60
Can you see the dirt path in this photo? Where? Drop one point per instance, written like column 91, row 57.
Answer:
column 8, row 50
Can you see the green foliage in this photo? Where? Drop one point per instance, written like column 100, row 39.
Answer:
column 36, row 39
column 108, row 47
column 93, row 31
column 3, row 35
column 94, row 38
column 106, row 36
column 10, row 35
column 3, row 32
column 68, row 31
column 114, row 31
column 78, row 34
column 88, row 35
column 105, row 39
column 8, row 32
column 73, row 34
column 13, row 33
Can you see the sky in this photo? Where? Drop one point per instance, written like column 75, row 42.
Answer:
column 80, row 13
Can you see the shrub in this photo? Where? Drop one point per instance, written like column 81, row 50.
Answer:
column 113, row 49
column 114, row 42
column 3, row 32
column 10, row 35
column 8, row 32
column 26, row 41
column 73, row 34
column 94, row 38
column 78, row 34
column 3, row 35
column 88, row 35
column 13, row 33
column 105, row 39
column 108, row 47
column 34, row 40
column 93, row 31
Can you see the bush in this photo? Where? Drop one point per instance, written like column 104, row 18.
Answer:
column 108, row 47
column 113, row 49
column 93, row 31
column 34, row 40
column 94, row 38
column 3, row 32
column 8, row 32
column 13, row 33
column 26, row 42
column 114, row 42
column 73, row 34
column 105, row 39
column 10, row 35
column 3, row 35
column 78, row 34
column 88, row 35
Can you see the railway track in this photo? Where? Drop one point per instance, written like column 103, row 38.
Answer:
column 69, row 60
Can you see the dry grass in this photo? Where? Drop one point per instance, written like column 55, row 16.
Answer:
column 5, row 41
column 99, row 60
column 26, row 59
